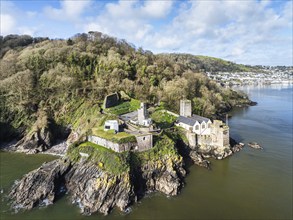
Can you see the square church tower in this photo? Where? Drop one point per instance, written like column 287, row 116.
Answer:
column 185, row 108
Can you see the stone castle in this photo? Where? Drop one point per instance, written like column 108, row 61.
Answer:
column 201, row 131
column 139, row 126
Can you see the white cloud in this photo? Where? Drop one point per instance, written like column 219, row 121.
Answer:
column 157, row 9
column 69, row 10
column 7, row 24
column 131, row 20
column 253, row 32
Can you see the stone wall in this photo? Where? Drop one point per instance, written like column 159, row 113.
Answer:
column 144, row 142
column 111, row 100
column 111, row 145
column 218, row 137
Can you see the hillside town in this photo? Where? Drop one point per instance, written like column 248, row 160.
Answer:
column 266, row 75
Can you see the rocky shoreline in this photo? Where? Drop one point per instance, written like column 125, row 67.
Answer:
column 96, row 190
column 93, row 189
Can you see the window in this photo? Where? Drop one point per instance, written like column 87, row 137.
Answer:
column 203, row 126
column 107, row 127
column 143, row 138
column 209, row 125
column 196, row 127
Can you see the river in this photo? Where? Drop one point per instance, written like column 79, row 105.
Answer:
column 252, row 184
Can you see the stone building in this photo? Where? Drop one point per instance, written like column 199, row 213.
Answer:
column 139, row 117
column 143, row 115
column 111, row 125
column 118, row 147
column 201, row 131
column 185, row 108
column 144, row 141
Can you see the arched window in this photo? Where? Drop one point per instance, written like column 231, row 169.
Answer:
column 203, row 126
column 196, row 127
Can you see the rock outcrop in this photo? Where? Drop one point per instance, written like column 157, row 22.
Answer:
column 163, row 175
column 41, row 186
column 199, row 159
column 39, row 138
column 94, row 189
column 254, row 145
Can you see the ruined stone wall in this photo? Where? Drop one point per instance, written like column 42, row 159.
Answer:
column 192, row 138
column 220, row 134
column 111, row 100
column 144, row 142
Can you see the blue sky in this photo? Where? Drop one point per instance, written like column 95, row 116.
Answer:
column 243, row 31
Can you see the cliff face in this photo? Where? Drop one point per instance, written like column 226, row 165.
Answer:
column 164, row 175
column 40, row 186
column 93, row 188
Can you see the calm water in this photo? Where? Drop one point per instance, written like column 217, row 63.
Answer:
column 252, row 184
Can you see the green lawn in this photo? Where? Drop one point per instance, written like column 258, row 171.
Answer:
column 106, row 159
column 120, row 137
column 124, row 107
column 163, row 119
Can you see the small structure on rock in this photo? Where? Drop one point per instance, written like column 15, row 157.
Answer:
column 111, row 125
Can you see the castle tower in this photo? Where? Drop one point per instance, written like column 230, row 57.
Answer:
column 142, row 113
column 185, row 108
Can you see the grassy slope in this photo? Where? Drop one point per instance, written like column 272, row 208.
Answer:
column 118, row 163
column 120, row 137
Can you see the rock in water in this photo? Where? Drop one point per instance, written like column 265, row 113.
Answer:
column 199, row 160
column 96, row 190
column 254, row 145
column 163, row 175
column 39, row 187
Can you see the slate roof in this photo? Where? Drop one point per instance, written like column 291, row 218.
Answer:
column 192, row 120
column 129, row 116
column 200, row 119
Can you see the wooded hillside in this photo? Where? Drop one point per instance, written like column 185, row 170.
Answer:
column 63, row 77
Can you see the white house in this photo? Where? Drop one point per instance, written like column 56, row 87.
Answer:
column 111, row 125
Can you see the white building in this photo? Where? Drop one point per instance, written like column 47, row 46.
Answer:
column 143, row 116
column 111, row 125
column 196, row 124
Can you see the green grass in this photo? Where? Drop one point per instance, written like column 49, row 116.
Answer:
column 164, row 146
column 163, row 119
column 124, row 107
column 105, row 159
column 117, row 163
column 120, row 137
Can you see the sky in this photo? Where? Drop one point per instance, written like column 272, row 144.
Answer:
column 255, row 32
